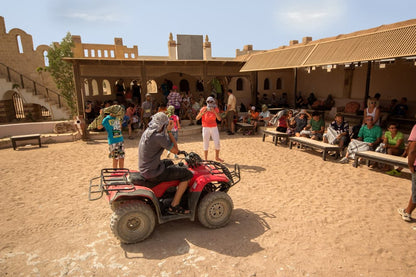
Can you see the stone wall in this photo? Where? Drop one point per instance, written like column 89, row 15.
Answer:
column 16, row 52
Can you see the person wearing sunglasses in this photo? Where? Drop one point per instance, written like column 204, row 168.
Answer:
column 209, row 116
column 372, row 110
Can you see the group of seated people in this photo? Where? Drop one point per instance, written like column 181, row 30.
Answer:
column 370, row 135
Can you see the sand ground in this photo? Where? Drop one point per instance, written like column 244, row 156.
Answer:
column 294, row 215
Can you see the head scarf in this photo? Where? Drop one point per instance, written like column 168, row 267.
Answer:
column 264, row 107
column 116, row 110
column 159, row 120
column 211, row 105
column 170, row 111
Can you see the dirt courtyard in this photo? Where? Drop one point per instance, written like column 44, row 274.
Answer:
column 294, row 215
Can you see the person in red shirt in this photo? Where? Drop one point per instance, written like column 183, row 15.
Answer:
column 411, row 161
column 209, row 115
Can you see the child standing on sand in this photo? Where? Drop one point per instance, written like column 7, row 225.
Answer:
column 176, row 125
column 112, row 125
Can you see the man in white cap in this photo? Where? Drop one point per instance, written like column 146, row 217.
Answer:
column 158, row 137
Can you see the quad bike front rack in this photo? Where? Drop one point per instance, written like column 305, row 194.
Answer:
column 111, row 179
column 216, row 168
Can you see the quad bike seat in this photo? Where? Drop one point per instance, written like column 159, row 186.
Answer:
column 137, row 179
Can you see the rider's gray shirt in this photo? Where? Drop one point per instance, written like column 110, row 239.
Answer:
column 150, row 150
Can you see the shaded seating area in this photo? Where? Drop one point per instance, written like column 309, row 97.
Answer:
column 315, row 144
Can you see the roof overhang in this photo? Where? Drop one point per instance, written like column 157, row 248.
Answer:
column 380, row 45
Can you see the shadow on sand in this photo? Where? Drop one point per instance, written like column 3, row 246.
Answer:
column 175, row 238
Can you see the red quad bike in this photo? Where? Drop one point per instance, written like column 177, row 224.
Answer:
column 138, row 204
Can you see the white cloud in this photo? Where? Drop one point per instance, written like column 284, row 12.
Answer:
column 93, row 17
column 309, row 15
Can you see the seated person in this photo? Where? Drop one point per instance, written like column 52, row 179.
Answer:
column 338, row 132
column 315, row 128
column 369, row 137
column 401, row 108
column 252, row 116
column 301, row 120
column 329, row 102
column 291, row 123
column 264, row 116
column 393, row 143
column 282, row 121
column 158, row 137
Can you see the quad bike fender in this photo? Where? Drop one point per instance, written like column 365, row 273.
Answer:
column 139, row 193
column 200, row 182
column 193, row 200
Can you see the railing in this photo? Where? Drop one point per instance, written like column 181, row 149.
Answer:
column 25, row 82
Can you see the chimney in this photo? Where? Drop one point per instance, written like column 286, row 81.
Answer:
column 248, row 47
column 172, row 47
column 306, row 40
column 293, row 42
column 207, row 49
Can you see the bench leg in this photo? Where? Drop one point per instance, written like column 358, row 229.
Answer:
column 264, row 136
column 355, row 163
column 40, row 143
column 324, row 155
column 14, row 144
column 290, row 144
column 275, row 140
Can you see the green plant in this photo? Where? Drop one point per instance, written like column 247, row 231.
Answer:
column 61, row 71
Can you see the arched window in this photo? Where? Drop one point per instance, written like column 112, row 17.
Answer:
column 240, row 84
column 184, row 85
column 19, row 44
column 94, row 85
column 86, row 88
column 106, row 87
column 266, row 84
column 45, row 58
column 279, row 83
column 151, row 86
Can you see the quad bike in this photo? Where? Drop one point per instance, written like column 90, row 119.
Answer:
column 138, row 204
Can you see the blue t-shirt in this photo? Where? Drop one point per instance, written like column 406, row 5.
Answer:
column 113, row 127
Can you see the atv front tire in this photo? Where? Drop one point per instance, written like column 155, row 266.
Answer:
column 214, row 210
column 132, row 222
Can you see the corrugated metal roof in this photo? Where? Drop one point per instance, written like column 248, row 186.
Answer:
column 375, row 45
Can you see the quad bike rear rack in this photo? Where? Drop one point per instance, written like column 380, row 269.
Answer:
column 111, row 179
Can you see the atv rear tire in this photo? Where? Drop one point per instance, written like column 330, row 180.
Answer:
column 214, row 210
column 132, row 222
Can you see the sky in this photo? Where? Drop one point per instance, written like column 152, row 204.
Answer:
column 229, row 24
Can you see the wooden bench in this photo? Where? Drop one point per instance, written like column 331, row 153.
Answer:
column 380, row 158
column 315, row 144
column 244, row 127
column 276, row 135
column 25, row 137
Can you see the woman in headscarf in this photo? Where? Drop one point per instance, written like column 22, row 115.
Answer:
column 209, row 115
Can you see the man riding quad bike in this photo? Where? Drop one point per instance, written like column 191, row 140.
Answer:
column 139, row 200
